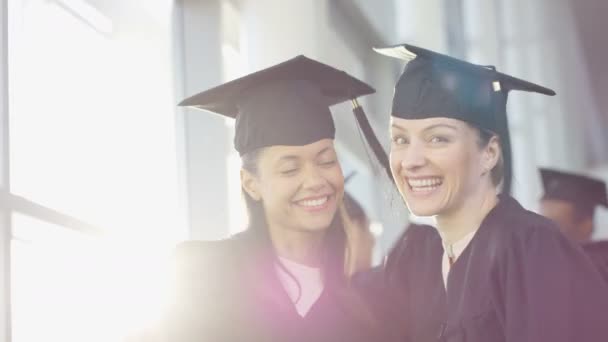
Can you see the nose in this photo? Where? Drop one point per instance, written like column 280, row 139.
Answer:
column 313, row 179
column 413, row 157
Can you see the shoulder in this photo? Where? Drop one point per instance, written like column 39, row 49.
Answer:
column 416, row 235
column 199, row 254
column 201, row 247
column 531, row 243
column 597, row 246
column 598, row 252
column 416, row 243
column 519, row 225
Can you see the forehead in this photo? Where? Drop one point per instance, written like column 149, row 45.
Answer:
column 414, row 125
column 281, row 152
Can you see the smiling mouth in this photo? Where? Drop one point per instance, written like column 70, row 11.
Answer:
column 314, row 204
column 424, row 185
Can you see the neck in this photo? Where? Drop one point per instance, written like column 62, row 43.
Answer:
column 299, row 246
column 467, row 217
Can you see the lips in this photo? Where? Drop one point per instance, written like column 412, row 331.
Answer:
column 314, row 203
column 424, row 185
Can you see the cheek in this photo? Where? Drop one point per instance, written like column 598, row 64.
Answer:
column 395, row 159
column 335, row 178
column 279, row 190
column 461, row 164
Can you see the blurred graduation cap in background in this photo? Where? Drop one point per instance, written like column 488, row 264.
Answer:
column 581, row 190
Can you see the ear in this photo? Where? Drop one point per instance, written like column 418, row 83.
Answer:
column 491, row 154
column 250, row 184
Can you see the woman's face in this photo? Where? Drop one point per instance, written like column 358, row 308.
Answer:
column 299, row 186
column 437, row 163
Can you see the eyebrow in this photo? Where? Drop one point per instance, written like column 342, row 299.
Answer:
column 328, row 148
column 440, row 125
column 427, row 128
column 398, row 127
column 288, row 158
column 296, row 158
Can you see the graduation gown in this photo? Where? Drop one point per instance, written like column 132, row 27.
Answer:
column 518, row 280
column 598, row 252
column 229, row 291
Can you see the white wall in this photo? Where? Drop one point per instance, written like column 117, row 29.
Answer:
column 205, row 137
column 421, row 22
column 535, row 40
column 5, row 235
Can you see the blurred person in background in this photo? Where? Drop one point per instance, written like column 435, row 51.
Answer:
column 570, row 200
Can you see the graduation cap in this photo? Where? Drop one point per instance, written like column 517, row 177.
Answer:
column 581, row 190
column 286, row 104
column 436, row 85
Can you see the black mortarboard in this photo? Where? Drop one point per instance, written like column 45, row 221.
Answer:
column 286, row 104
column 581, row 190
column 436, row 85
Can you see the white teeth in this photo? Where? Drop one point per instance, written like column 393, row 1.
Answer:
column 314, row 203
column 424, row 184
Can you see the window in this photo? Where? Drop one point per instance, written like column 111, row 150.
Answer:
column 234, row 66
column 92, row 149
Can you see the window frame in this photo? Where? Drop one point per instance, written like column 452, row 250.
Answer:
column 11, row 204
column 5, row 223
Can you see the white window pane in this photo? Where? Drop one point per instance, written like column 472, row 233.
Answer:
column 92, row 114
column 67, row 287
column 234, row 66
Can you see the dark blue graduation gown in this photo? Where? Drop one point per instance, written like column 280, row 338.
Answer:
column 598, row 252
column 229, row 291
column 518, row 280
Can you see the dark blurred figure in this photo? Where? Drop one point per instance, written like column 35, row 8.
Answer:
column 570, row 200
column 598, row 252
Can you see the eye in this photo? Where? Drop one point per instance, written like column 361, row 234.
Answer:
column 436, row 139
column 328, row 163
column 400, row 140
column 289, row 172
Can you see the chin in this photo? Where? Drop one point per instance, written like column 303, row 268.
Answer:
column 423, row 209
column 317, row 225
column 424, row 213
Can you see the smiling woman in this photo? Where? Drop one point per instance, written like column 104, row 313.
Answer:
column 438, row 163
column 284, row 278
column 301, row 185
column 491, row 270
